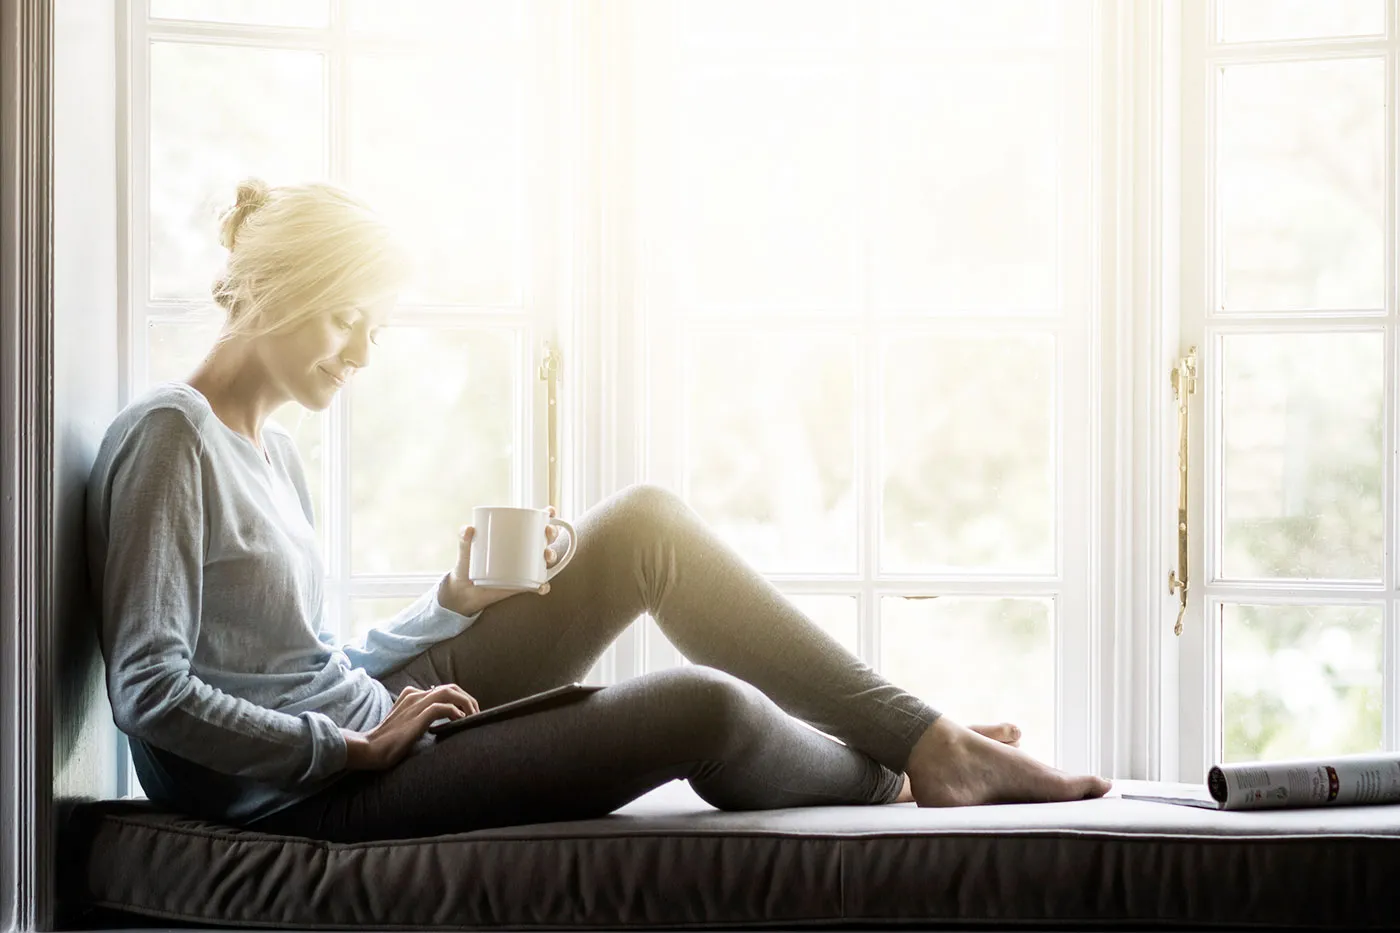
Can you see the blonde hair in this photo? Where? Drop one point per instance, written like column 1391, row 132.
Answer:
column 296, row 250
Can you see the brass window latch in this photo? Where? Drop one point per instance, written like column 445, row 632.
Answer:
column 1184, row 386
column 549, row 373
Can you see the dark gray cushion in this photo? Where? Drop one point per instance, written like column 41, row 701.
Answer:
column 669, row 859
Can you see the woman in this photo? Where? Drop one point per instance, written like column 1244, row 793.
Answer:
column 241, row 708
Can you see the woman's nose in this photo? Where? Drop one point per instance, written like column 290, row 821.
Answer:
column 356, row 351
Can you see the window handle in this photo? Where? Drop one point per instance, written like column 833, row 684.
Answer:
column 1184, row 386
column 549, row 374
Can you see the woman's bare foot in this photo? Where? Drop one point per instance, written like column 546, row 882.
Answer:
column 1004, row 732
column 954, row 766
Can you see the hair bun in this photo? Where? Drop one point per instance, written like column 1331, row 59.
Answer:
column 252, row 194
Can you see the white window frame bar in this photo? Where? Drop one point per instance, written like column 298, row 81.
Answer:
column 1140, row 727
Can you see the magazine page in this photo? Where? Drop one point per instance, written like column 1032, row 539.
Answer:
column 1315, row 782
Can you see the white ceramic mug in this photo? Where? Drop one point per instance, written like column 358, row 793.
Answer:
column 508, row 547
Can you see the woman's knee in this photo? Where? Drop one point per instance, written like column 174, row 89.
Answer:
column 646, row 507
column 718, row 712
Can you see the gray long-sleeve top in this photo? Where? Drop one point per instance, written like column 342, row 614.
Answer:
column 209, row 578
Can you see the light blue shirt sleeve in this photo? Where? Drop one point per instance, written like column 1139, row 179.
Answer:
column 413, row 630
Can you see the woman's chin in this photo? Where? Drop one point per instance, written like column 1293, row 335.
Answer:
column 318, row 399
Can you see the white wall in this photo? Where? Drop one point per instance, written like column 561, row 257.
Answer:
column 85, row 343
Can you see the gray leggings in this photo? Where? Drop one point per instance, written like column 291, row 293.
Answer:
column 722, row 723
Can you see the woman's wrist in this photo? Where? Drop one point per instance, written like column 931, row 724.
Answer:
column 357, row 750
column 451, row 595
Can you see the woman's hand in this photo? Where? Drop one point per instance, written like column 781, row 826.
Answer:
column 458, row 593
column 414, row 711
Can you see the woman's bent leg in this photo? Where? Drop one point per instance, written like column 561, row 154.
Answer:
column 737, row 748
column 644, row 550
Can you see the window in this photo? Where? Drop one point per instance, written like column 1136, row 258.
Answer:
column 838, row 267
column 1289, row 290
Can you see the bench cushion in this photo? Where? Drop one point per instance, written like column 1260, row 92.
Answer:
column 670, row 859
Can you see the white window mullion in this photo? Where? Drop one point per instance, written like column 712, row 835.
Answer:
column 252, row 36
column 869, row 393
column 615, row 239
column 335, row 460
column 133, row 259
column 536, row 256
column 1390, row 636
column 586, row 355
column 1146, row 206
column 869, row 459
column 136, row 264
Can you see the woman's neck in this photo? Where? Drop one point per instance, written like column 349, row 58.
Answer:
column 238, row 390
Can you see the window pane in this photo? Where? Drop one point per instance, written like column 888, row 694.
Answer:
column 958, row 22
column 1302, row 418
column 208, row 131
column 175, row 348
column 252, row 12
column 1264, row 20
column 436, row 146
column 455, row 20
column 770, row 456
column 432, row 434
column 1300, row 681
column 968, row 454
column 967, row 186
column 766, row 188
column 366, row 614
column 978, row 660
column 1302, row 185
column 773, row 23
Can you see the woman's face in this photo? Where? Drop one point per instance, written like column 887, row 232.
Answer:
column 320, row 356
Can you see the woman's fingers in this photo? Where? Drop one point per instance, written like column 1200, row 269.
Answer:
column 430, row 714
column 468, row 701
column 465, row 534
column 451, row 693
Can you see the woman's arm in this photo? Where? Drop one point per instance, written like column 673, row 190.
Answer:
column 409, row 633
column 151, row 535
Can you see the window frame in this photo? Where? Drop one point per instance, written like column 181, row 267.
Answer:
column 1129, row 672
column 1200, row 676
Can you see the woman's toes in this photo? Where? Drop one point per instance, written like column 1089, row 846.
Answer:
column 1004, row 732
column 1091, row 786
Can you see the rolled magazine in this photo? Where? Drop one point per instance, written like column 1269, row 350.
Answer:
column 1338, row 781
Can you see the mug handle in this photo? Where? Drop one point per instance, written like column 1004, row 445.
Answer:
column 568, row 555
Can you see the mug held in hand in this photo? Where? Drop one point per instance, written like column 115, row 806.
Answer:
column 508, row 547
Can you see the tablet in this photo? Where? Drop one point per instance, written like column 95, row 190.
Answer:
column 559, row 696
